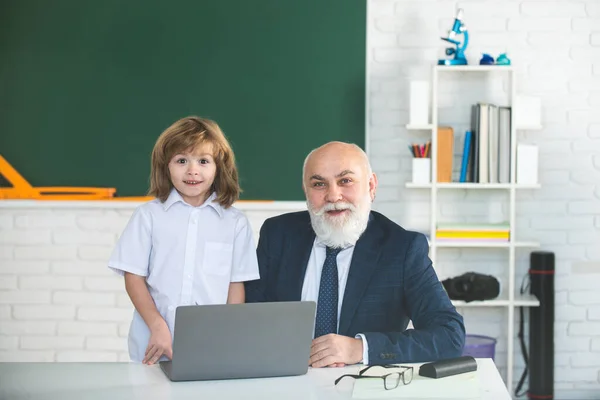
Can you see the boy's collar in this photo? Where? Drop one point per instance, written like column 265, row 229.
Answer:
column 175, row 197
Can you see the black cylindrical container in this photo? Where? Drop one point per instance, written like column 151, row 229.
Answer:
column 541, row 327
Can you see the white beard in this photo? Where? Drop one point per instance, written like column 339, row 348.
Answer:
column 344, row 230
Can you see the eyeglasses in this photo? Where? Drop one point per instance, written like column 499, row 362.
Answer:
column 390, row 381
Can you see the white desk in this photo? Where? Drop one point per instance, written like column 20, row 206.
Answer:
column 116, row 381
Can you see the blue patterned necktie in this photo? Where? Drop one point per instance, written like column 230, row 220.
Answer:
column 327, row 305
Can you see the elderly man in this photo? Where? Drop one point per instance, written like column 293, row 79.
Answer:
column 367, row 274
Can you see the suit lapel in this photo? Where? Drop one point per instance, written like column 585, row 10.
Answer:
column 296, row 260
column 364, row 262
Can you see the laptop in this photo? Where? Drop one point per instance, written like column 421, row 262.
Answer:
column 234, row 341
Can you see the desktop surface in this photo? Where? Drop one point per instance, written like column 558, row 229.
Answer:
column 116, row 381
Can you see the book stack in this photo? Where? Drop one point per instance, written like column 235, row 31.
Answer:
column 484, row 232
column 486, row 150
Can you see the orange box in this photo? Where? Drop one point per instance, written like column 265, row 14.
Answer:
column 445, row 153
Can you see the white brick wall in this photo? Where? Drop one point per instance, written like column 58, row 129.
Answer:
column 58, row 300
column 555, row 48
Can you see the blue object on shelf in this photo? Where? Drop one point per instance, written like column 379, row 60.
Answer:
column 503, row 59
column 486, row 59
column 465, row 159
column 458, row 28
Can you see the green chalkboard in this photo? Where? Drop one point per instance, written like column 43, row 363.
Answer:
column 86, row 86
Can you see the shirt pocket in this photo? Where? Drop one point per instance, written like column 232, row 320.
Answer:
column 218, row 258
column 216, row 268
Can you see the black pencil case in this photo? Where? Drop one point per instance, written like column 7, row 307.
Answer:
column 448, row 367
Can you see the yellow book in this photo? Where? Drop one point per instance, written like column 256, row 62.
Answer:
column 473, row 234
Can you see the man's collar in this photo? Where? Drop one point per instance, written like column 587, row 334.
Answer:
column 175, row 197
column 320, row 244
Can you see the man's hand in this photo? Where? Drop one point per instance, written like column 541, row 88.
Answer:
column 160, row 343
column 335, row 351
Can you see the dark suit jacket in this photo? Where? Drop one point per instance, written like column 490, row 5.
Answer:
column 391, row 281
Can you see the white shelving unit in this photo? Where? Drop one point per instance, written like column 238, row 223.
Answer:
column 509, row 299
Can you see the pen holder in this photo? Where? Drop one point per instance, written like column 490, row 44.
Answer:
column 421, row 170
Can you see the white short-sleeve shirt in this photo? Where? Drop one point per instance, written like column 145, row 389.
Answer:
column 189, row 255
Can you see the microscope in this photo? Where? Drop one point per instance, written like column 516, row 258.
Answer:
column 459, row 52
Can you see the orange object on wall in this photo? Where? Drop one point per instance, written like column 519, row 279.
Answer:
column 21, row 189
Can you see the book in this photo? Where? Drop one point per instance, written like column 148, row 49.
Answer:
column 473, row 226
column 466, row 157
column 504, row 144
column 445, row 153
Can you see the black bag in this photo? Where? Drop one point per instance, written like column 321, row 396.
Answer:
column 472, row 286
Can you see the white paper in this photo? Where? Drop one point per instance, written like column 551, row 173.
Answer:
column 463, row 386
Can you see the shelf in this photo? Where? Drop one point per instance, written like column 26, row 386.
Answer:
column 472, row 244
column 474, row 68
column 529, row 127
column 428, row 127
column 419, row 127
column 467, row 185
column 520, row 300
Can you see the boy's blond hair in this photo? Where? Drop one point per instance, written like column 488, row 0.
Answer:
column 187, row 134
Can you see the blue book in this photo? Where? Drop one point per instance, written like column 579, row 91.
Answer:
column 465, row 160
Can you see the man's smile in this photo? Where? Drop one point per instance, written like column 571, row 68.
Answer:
column 335, row 213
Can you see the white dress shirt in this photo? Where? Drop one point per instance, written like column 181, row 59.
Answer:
column 312, row 280
column 189, row 255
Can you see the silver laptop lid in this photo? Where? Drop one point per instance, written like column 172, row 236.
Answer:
column 250, row 340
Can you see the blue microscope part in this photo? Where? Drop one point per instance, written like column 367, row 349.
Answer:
column 457, row 25
column 459, row 52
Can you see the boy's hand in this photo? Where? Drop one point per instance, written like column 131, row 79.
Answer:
column 160, row 343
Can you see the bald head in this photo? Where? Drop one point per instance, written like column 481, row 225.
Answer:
column 336, row 152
